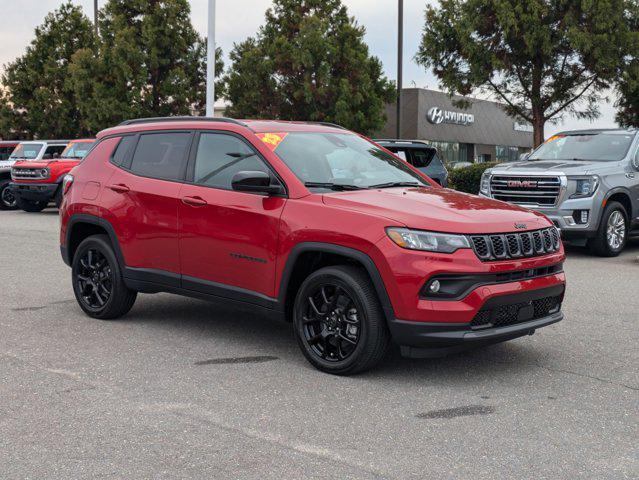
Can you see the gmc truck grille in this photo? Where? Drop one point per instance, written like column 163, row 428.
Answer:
column 536, row 191
column 29, row 173
column 504, row 315
column 516, row 245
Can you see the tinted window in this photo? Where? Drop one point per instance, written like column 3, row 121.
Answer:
column 220, row 157
column 53, row 150
column 5, row 152
column 122, row 149
column 401, row 153
column 422, row 157
column 161, row 155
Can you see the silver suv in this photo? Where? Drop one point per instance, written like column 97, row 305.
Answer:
column 586, row 182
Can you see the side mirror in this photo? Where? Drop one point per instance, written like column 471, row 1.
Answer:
column 255, row 182
column 635, row 161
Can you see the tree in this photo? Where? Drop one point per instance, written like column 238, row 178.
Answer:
column 542, row 58
column 149, row 62
column 36, row 98
column 628, row 84
column 309, row 62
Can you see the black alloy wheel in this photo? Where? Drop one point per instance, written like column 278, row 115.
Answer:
column 94, row 279
column 97, row 280
column 331, row 322
column 340, row 325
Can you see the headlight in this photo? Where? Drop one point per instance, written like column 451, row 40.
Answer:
column 428, row 241
column 584, row 186
column 484, row 186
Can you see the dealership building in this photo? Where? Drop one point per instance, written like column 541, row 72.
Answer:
column 481, row 133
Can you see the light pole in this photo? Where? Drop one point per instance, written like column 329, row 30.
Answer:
column 400, row 58
column 95, row 16
column 210, row 62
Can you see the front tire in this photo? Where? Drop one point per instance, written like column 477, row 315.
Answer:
column 339, row 323
column 612, row 233
column 8, row 200
column 97, row 280
column 31, row 207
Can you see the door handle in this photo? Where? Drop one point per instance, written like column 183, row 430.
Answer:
column 119, row 188
column 194, row 201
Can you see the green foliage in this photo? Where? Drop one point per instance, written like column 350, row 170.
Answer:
column 467, row 179
column 542, row 58
column 37, row 99
column 149, row 62
column 309, row 62
column 628, row 84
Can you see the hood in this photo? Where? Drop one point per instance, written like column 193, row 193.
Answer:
column 33, row 164
column 552, row 166
column 438, row 209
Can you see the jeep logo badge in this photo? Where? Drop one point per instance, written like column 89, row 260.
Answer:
column 522, row 184
column 520, row 226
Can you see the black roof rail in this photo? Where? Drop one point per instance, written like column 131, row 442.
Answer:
column 139, row 121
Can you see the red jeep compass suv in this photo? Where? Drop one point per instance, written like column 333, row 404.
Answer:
column 310, row 221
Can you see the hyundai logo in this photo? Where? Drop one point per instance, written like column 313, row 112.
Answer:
column 437, row 116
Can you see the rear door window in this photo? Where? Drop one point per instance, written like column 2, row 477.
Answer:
column 161, row 155
column 5, row 152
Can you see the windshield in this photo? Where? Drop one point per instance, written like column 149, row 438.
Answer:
column 26, row 151
column 325, row 160
column 598, row 147
column 76, row 150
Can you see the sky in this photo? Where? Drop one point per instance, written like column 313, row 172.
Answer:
column 238, row 19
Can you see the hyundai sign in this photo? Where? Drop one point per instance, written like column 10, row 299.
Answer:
column 437, row 116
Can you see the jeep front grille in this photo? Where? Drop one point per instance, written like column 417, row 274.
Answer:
column 528, row 190
column 516, row 245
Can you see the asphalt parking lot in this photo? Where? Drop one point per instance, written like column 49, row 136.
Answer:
column 186, row 389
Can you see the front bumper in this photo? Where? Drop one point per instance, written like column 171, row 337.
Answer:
column 421, row 339
column 35, row 192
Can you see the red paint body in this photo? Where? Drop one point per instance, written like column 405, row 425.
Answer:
column 157, row 230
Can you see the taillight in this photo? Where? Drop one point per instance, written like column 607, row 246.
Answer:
column 67, row 181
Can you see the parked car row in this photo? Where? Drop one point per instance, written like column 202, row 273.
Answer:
column 31, row 172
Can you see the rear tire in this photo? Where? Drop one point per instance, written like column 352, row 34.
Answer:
column 31, row 207
column 97, row 280
column 339, row 323
column 612, row 233
column 8, row 199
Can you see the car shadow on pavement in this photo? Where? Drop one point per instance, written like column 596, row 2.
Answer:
column 631, row 251
column 253, row 331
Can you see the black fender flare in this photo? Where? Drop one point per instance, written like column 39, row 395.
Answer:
column 357, row 255
column 93, row 220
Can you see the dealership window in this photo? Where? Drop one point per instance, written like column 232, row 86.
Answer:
column 506, row 154
column 451, row 152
